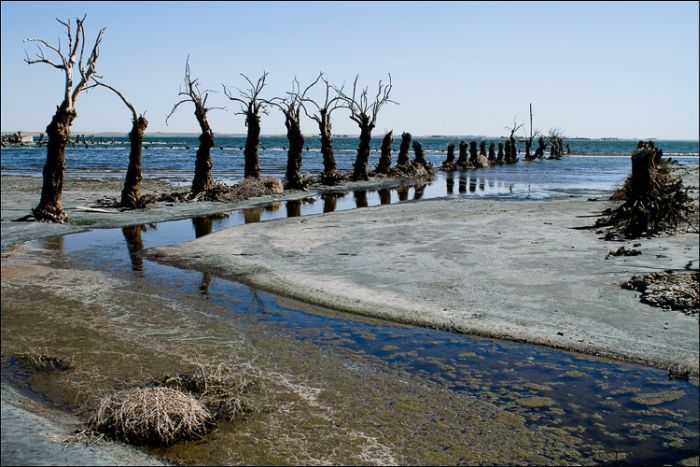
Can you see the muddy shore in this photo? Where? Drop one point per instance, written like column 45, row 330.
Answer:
column 319, row 406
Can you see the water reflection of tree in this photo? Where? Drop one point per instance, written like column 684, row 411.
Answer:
column 202, row 225
column 134, row 243
column 329, row 201
column 360, row 198
column 293, row 208
column 418, row 194
column 462, row 183
column 402, row 191
column 384, row 196
column 54, row 244
column 252, row 215
column 204, row 285
column 450, row 180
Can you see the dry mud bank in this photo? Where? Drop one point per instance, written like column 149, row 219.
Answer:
column 509, row 269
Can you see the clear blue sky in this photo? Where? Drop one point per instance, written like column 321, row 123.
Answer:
column 610, row 69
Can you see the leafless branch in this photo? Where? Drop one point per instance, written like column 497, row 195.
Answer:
column 128, row 104
column 360, row 106
column 69, row 60
column 193, row 94
column 250, row 98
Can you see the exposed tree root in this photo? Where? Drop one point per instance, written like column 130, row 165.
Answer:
column 653, row 200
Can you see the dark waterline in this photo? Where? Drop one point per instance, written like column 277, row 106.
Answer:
column 588, row 393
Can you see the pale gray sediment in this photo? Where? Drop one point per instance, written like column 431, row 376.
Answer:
column 508, row 269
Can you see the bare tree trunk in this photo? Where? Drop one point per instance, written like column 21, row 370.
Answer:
column 528, row 148
column 419, row 155
column 131, row 193
column 472, row 152
column 50, row 207
column 450, row 154
column 203, row 181
column 492, row 152
column 363, row 150
column 385, row 159
column 500, row 156
column 295, row 153
column 252, row 169
column 403, row 149
column 329, row 166
column 482, row 148
column 462, row 153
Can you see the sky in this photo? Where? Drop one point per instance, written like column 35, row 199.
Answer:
column 626, row 70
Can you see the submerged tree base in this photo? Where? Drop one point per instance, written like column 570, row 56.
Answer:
column 653, row 199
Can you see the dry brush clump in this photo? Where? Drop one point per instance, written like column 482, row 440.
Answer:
column 156, row 416
column 254, row 187
column 653, row 199
column 225, row 393
column 173, row 408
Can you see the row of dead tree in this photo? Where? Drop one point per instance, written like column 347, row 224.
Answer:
column 79, row 67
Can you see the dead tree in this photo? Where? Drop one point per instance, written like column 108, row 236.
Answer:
column 472, row 152
column 482, row 148
column 252, row 105
column 364, row 113
column 384, row 164
column 463, row 158
column 202, row 181
column 76, row 65
column 492, row 152
column 499, row 157
column 556, row 142
column 322, row 116
column 131, row 193
column 541, row 146
column 513, row 145
column 528, row 141
column 419, row 154
column 291, row 108
column 450, row 154
column 403, row 150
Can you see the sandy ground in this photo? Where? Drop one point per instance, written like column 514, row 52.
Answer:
column 514, row 270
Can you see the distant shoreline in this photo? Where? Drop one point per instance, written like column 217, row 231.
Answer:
column 114, row 134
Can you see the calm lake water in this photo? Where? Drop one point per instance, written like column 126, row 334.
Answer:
column 173, row 158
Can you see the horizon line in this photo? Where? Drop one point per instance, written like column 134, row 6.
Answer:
column 342, row 135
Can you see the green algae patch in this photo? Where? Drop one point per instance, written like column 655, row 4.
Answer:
column 658, row 398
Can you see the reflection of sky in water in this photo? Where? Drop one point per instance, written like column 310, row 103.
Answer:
column 570, row 390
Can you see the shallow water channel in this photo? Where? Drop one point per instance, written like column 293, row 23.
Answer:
column 624, row 408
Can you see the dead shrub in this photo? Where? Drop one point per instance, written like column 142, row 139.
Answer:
column 254, row 187
column 225, row 393
column 156, row 416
